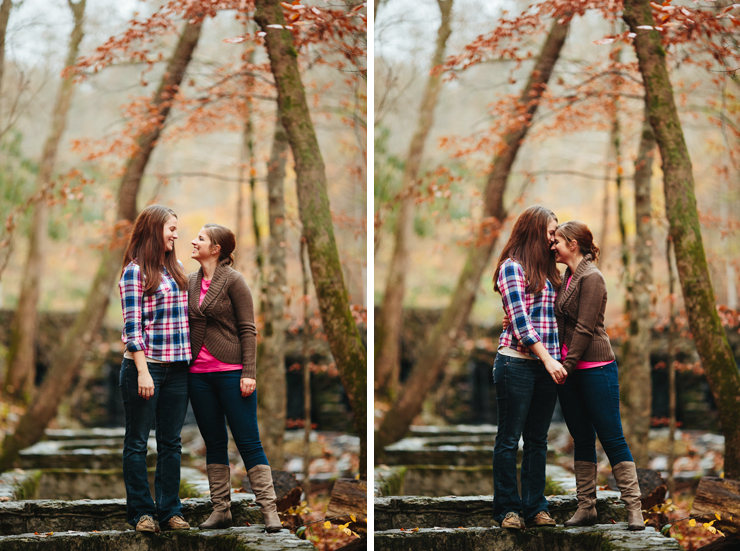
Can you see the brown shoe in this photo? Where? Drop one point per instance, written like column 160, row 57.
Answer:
column 260, row 478
column 585, row 515
column 512, row 521
column 175, row 523
column 219, row 480
column 146, row 524
column 625, row 474
column 542, row 518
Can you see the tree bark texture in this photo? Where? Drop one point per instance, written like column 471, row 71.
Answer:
column 72, row 350
column 390, row 318
column 634, row 372
column 19, row 382
column 691, row 263
column 306, row 366
column 315, row 213
column 272, row 395
column 444, row 334
column 671, row 481
column 249, row 145
column 4, row 18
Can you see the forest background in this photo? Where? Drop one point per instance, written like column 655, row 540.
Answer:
column 579, row 143
column 178, row 103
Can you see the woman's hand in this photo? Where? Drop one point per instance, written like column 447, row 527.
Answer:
column 505, row 322
column 146, row 384
column 556, row 371
column 247, row 386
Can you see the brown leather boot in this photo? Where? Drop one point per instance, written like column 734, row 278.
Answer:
column 625, row 474
column 586, row 491
column 260, row 477
column 219, row 480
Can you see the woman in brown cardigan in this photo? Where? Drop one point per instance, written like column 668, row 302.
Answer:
column 221, row 382
column 589, row 397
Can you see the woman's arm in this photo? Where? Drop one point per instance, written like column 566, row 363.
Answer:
column 241, row 299
column 590, row 299
column 512, row 282
column 132, row 300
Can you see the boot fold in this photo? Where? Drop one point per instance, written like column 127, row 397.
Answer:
column 585, row 515
column 625, row 473
column 260, row 477
column 219, row 481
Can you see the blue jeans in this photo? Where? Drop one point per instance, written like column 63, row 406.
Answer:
column 590, row 403
column 166, row 409
column 216, row 398
column 525, row 398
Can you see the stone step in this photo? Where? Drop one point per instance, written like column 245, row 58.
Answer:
column 99, row 453
column 453, row 430
column 612, row 537
column 182, row 540
column 447, row 450
column 20, row 517
column 409, row 512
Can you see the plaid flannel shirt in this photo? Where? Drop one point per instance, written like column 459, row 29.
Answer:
column 158, row 323
column 532, row 315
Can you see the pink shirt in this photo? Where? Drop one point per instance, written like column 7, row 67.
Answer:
column 579, row 365
column 205, row 362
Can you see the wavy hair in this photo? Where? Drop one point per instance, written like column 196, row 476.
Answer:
column 528, row 245
column 224, row 238
column 146, row 247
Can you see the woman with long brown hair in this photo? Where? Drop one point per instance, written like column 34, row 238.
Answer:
column 590, row 396
column 526, row 369
column 154, row 372
column 222, row 378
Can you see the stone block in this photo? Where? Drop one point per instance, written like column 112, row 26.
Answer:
column 611, row 537
column 411, row 512
column 245, row 539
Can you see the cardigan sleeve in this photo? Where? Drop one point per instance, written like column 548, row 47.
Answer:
column 590, row 299
column 241, row 298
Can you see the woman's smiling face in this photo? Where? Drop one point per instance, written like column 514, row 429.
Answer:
column 202, row 246
column 563, row 252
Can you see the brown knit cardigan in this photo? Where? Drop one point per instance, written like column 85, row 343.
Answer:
column 225, row 320
column 579, row 311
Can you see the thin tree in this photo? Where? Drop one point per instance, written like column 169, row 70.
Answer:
column 390, row 317
column 444, row 334
column 691, row 263
column 4, row 18
column 19, row 382
column 306, row 366
column 68, row 359
column 635, row 370
column 315, row 213
column 272, row 397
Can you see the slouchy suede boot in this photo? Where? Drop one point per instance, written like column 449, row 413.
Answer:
column 625, row 474
column 586, row 491
column 260, row 477
column 219, row 480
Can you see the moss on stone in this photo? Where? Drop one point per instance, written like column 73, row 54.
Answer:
column 28, row 489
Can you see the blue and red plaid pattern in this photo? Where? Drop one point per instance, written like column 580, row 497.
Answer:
column 532, row 315
column 158, row 323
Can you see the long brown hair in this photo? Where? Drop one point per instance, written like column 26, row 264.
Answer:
column 146, row 246
column 224, row 238
column 528, row 245
column 578, row 232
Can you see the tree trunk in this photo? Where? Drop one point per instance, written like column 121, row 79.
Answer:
column 306, row 361
column 444, row 334
column 4, row 18
column 390, row 318
column 315, row 213
column 249, row 145
column 671, row 482
column 272, row 395
column 708, row 334
column 68, row 360
column 635, row 378
column 22, row 350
